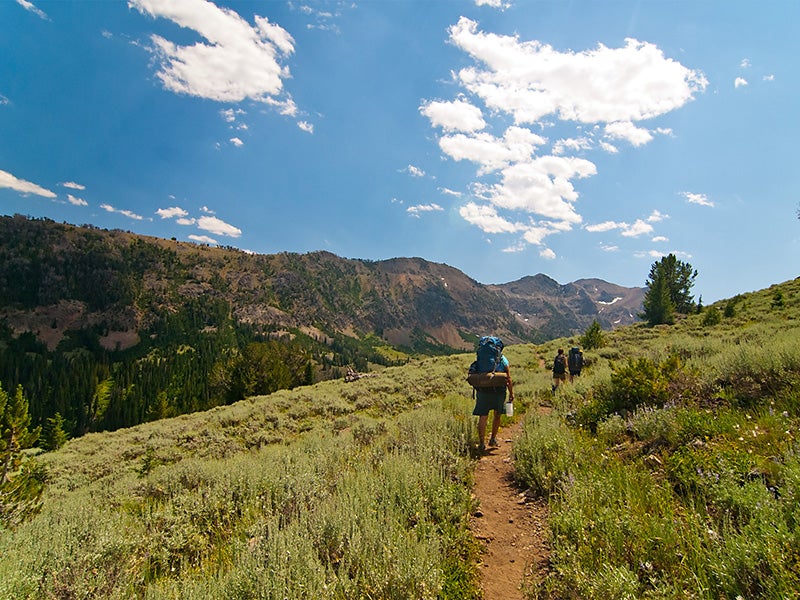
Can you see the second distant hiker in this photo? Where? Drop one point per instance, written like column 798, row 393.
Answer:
column 559, row 369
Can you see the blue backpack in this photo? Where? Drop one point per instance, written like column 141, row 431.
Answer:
column 490, row 349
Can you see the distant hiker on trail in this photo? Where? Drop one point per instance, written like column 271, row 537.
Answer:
column 574, row 363
column 490, row 376
column 559, row 369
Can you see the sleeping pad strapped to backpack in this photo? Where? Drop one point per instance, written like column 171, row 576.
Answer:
column 487, row 370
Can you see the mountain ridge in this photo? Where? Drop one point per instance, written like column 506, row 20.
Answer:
column 78, row 277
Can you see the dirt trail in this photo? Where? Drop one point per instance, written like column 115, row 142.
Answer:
column 509, row 523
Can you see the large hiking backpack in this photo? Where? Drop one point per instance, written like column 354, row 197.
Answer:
column 490, row 349
column 559, row 364
column 486, row 371
column 575, row 360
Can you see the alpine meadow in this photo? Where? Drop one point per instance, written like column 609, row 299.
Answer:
column 670, row 467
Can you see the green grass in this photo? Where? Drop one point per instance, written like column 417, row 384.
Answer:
column 671, row 468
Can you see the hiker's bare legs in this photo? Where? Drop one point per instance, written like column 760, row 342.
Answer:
column 495, row 424
column 482, row 420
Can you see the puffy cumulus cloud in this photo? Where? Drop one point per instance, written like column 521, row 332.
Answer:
column 603, row 93
column 486, row 218
column 236, row 61
column 541, row 186
column 172, row 212
column 7, row 180
column 739, row 82
column 638, row 228
column 625, row 130
column 489, row 152
column 458, row 115
column 415, row 211
column 547, row 253
column 218, row 227
column 306, row 126
column 530, row 80
column 236, row 142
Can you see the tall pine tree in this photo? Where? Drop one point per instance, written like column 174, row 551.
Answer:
column 668, row 290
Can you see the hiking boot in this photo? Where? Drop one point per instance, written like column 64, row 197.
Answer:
column 481, row 448
column 493, row 443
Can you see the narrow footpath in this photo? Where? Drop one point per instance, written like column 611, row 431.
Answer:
column 509, row 523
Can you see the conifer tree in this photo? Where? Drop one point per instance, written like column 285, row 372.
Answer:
column 14, row 433
column 669, row 290
column 593, row 337
column 53, row 434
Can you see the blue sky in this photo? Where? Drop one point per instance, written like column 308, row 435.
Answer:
column 504, row 138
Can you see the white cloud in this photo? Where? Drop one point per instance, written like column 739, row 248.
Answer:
column 745, row 64
column 29, row 6
column 571, row 145
column 415, row 211
column 625, row 130
column 236, row 142
column 769, row 78
column 541, row 186
column 637, row 229
column 739, row 82
column 75, row 201
column 186, row 221
column 486, row 218
column 414, row 171
column 530, row 80
column 449, row 192
column 501, row 4
column 603, row 93
column 610, row 148
column 126, row 213
column 306, row 126
column 218, row 227
column 700, row 199
column 605, row 226
column 609, row 248
column 7, row 180
column 4, row 100
column 547, row 253
column 656, row 216
column 73, row 186
column 235, row 62
column 491, row 153
column 202, row 239
column 458, row 115
column 659, row 239
column 171, row 212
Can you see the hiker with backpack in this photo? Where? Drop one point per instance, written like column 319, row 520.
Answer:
column 574, row 363
column 559, row 369
column 490, row 376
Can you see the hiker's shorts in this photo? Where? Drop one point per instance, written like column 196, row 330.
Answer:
column 489, row 399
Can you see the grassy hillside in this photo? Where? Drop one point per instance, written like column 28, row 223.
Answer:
column 670, row 466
